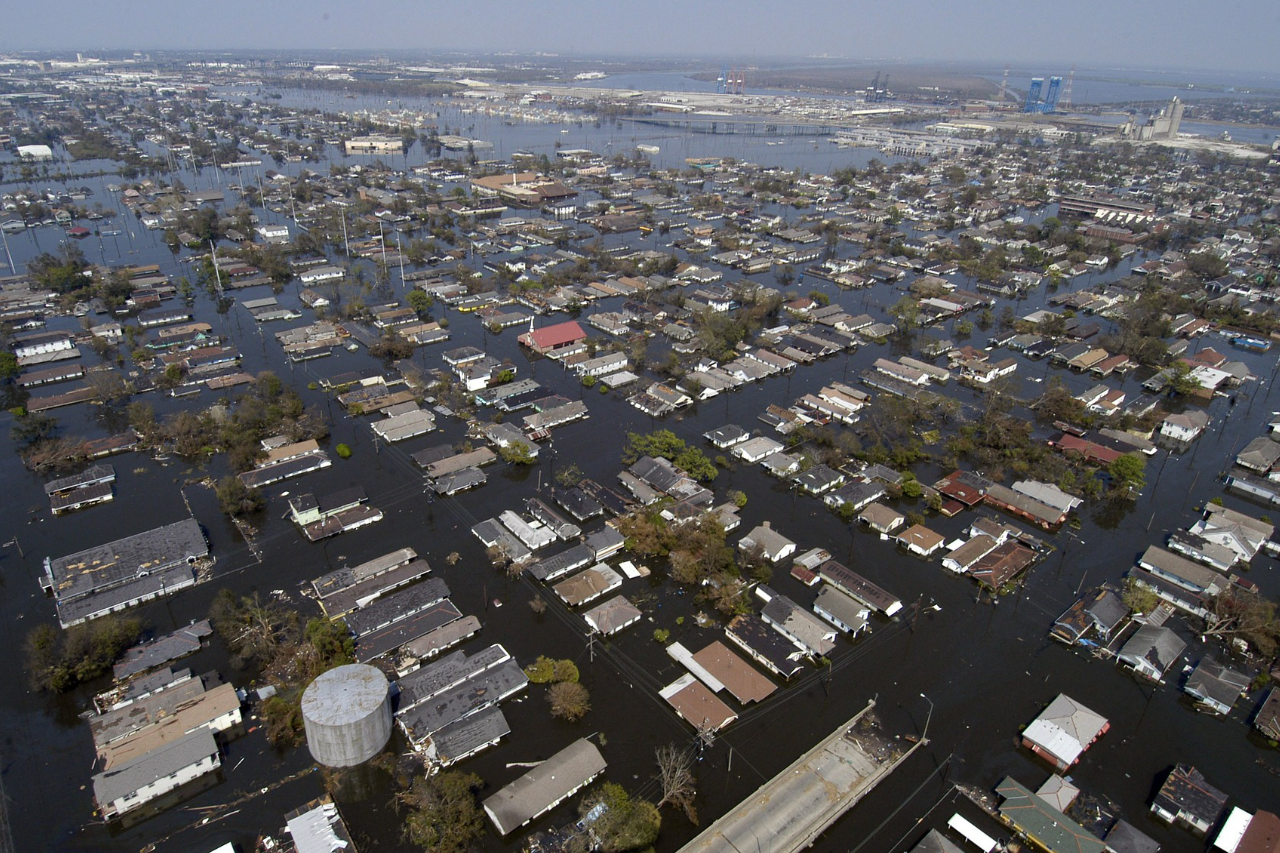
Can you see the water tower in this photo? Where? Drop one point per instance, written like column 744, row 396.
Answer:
column 347, row 715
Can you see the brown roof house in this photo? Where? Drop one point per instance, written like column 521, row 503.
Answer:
column 920, row 540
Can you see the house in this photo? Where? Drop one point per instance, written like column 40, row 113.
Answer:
column 1187, row 799
column 962, row 558
column 1267, row 720
column 857, row 495
column 545, row 786
column 1003, row 563
column 773, row 545
column 756, row 449
column 1025, row 507
column 809, row 633
column 1048, row 494
column 1249, row 833
column 764, row 645
column 1124, row 837
column 1184, row 426
column 1043, row 824
column 819, row 479
column 555, row 340
column 1215, row 687
column 881, row 518
column 116, row 575
column 859, row 588
column 842, row 611
column 964, row 487
column 1152, row 651
column 612, row 616
column 1063, row 731
column 1181, row 571
column 727, row 436
column 155, row 773
column 1259, row 455
column 1099, row 612
column 1243, row 534
column 920, row 540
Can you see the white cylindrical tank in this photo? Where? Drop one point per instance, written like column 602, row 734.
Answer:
column 347, row 715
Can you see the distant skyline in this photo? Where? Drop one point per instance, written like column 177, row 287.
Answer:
column 1231, row 35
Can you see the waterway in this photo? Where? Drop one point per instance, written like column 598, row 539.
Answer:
column 984, row 669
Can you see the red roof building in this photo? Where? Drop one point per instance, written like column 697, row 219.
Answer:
column 1071, row 445
column 553, row 339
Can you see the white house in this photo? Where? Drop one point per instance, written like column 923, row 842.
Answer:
column 319, row 274
column 155, row 773
column 772, row 544
column 273, row 233
column 1185, row 426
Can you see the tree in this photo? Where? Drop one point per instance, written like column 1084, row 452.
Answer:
column 906, row 311
column 1237, row 613
column 1128, row 473
column 517, row 453
column 1139, row 598
column 254, row 630
column 1181, row 382
column 569, row 700
column 31, row 427
column 675, row 772
column 60, row 661
column 421, row 302
column 620, row 823
column 444, row 816
column 569, row 476
column 547, row 670
column 9, row 365
column 237, row 499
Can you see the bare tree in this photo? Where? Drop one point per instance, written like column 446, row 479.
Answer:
column 1244, row 615
column 675, row 771
column 569, row 701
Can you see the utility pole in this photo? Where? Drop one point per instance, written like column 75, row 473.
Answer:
column 213, row 249
column 5, row 236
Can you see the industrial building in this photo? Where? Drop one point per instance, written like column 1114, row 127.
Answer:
column 1163, row 125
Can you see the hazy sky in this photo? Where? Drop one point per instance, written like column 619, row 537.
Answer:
column 1144, row 34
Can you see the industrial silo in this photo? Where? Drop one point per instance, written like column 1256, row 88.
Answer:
column 347, row 715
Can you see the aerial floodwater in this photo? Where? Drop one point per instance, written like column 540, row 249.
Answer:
column 953, row 675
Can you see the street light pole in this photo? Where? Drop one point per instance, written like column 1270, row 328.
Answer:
column 928, row 717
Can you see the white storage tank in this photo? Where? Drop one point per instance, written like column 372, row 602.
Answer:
column 347, row 715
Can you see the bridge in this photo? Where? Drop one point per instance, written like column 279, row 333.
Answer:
column 790, row 811
column 744, row 125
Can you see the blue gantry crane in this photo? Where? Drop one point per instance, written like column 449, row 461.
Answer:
column 1051, row 95
column 1033, row 95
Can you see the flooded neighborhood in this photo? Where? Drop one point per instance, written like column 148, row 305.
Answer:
column 546, row 454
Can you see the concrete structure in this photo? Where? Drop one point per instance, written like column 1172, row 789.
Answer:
column 347, row 715
column 790, row 811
